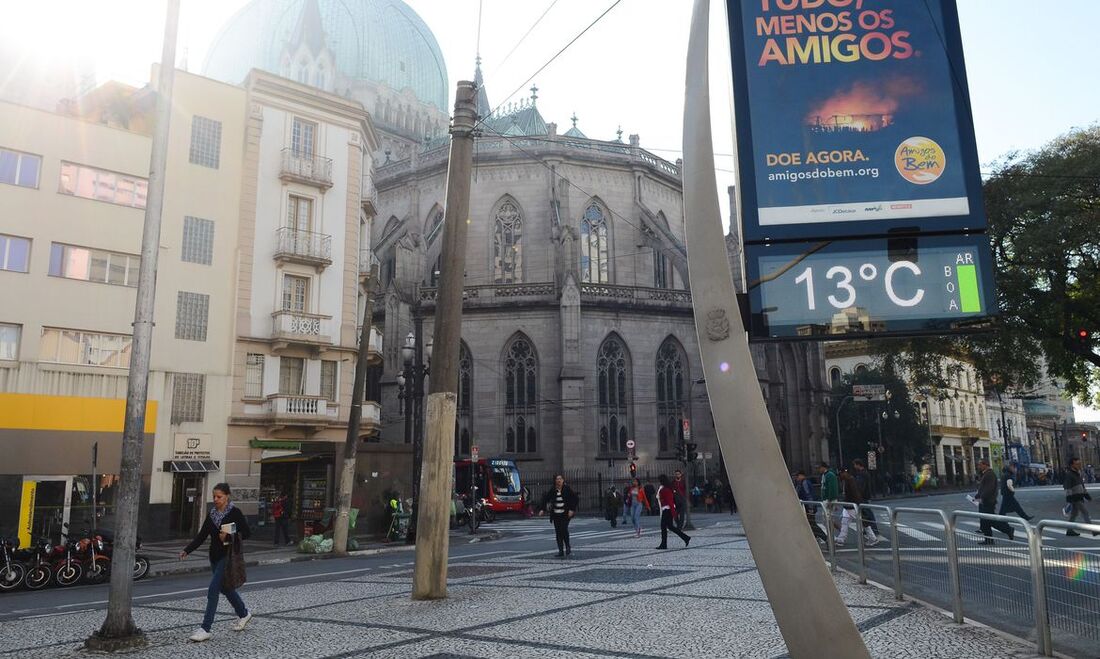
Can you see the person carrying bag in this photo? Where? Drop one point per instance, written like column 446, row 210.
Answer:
column 226, row 527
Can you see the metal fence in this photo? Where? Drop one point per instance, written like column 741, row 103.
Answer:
column 1017, row 581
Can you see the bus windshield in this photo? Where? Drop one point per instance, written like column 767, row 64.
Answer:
column 505, row 479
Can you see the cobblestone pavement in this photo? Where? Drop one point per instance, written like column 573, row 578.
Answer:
column 612, row 598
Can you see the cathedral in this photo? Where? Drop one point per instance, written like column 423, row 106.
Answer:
column 578, row 341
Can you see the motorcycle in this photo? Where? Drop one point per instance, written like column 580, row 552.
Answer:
column 37, row 560
column 141, row 562
column 12, row 572
column 68, row 567
column 95, row 557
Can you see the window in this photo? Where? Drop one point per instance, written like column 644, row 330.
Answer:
column 206, row 141
column 672, row 405
column 19, row 168
column 464, row 416
column 328, row 380
column 594, row 260
column 253, row 375
column 507, row 248
column 302, row 137
column 64, row 346
column 87, row 264
column 521, row 374
column 295, row 293
column 188, row 396
column 299, row 215
column 198, row 241
column 613, row 394
column 192, row 310
column 834, row 376
column 291, row 372
column 101, row 185
column 662, row 271
column 9, row 341
column 15, row 253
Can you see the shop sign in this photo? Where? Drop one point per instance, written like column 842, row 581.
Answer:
column 192, row 446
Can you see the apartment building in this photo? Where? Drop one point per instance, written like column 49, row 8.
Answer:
column 73, row 190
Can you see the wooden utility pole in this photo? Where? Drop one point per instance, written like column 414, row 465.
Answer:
column 355, row 415
column 119, row 631
column 430, row 572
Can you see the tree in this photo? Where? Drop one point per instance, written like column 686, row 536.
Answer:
column 1043, row 209
column 863, row 426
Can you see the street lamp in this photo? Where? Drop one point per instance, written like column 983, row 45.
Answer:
column 410, row 389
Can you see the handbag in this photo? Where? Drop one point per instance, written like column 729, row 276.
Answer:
column 234, row 576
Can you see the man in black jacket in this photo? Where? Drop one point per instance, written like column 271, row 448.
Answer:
column 561, row 502
column 1076, row 493
column 987, row 503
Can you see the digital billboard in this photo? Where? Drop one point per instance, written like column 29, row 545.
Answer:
column 852, row 119
column 843, row 289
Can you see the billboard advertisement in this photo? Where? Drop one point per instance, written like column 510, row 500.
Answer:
column 852, row 119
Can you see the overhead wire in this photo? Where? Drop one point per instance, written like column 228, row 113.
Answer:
column 525, row 35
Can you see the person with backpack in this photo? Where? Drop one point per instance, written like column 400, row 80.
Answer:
column 805, row 490
column 280, row 510
column 1076, row 494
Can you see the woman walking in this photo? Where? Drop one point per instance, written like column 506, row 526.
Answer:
column 1009, row 504
column 667, row 499
column 561, row 501
column 636, row 501
column 217, row 527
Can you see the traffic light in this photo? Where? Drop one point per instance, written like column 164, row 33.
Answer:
column 1084, row 436
column 1082, row 337
column 692, row 454
column 681, row 452
column 633, row 470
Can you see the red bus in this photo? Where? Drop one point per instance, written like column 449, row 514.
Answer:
column 497, row 482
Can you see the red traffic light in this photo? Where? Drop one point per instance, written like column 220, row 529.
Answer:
column 1082, row 334
column 633, row 469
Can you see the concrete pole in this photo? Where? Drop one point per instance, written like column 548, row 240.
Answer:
column 812, row 617
column 118, row 630
column 355, row 416
column 430, row 572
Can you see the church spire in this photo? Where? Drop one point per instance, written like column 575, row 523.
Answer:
column 309, row 31
column 483, row 107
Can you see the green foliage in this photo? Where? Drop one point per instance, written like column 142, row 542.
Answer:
column 1044, row 228
column 903, row 436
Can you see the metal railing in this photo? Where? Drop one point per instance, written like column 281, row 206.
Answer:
column 948, row 562
column 306, row 167
column 308, row 245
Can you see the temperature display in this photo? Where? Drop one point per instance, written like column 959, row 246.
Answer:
column 894, row 286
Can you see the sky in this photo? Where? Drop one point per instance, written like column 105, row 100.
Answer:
column 1030, row 73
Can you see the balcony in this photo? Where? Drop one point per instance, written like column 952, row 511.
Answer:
column 366, row 260
column 371, row 420
column 368, row 196
column 305, row 247
column 300, row 329
column 374, row 344
column 310, row 411
column 304, row 167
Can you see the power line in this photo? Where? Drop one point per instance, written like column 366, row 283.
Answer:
column 556, row 55
column 525, row 35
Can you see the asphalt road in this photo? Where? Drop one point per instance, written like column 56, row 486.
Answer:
column 996, row 581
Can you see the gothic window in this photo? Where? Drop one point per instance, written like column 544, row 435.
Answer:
column 464, row 414
column 507, row 248
column 521, row 372
column 613, row 395
column 673, row 404
column 594, row 249
column 662, row 270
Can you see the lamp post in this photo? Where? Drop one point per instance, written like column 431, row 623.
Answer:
column 410, row 389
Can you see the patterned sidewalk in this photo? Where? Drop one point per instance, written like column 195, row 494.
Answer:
column 618, row 598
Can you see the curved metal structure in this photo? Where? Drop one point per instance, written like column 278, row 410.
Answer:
column 812, row 617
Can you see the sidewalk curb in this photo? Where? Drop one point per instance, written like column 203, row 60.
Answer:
column 299, row 558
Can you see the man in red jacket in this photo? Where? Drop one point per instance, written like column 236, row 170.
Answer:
column 679, row 490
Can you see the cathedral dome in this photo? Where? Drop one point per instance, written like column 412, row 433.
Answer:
column 382, row 41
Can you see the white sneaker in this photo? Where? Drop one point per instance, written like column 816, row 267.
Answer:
column 871, row 542
column 242, row 623
column 200, row 635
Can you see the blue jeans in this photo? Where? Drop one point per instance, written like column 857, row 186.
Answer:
column 212, row 596
column 636, row 515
